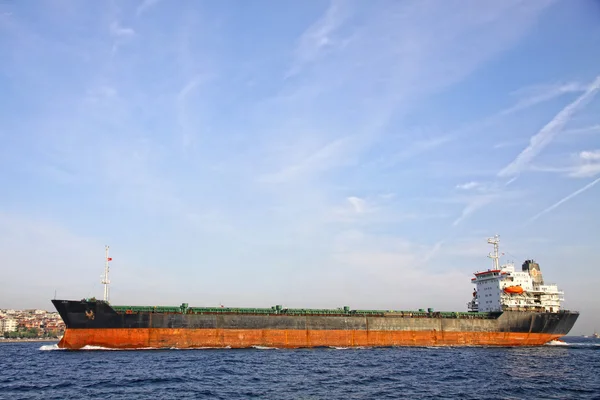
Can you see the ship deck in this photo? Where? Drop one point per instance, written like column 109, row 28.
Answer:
column 273, row 311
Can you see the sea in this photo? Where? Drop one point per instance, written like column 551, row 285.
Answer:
column 560, row 370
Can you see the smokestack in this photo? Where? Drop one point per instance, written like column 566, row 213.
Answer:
column 534, row 271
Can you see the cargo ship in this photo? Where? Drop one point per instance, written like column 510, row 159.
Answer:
column 508, row 308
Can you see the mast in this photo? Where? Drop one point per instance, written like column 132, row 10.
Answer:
column 105, row 280
column 494, row 255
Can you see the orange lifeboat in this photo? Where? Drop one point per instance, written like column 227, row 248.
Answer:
column 513, row 289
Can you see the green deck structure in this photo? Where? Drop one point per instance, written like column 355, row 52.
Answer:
column 279, row 310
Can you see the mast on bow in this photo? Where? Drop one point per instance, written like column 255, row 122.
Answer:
column 105, row 281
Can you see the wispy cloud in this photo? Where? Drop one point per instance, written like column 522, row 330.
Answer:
column 188, row 88
column 399, row 53
column 434, row 251
column 188, row 132
column 332, row 154
column 318, row 38
column 409, row 60
column 356, row 207
column 510, row 143
column 576, row 135
column 565, row 199
column 529, row 97
column 393, row 263
column 586, row 170
column 145, row 6
column 545, row 136
column 468, row 185
column 417, row 147
column 100, row 93
column 586, row 164
column 120, row 34
column 359, row 205
column 489, row 193
column 477, row 195
column 534, row 95
column 372, row 211
column 586, row 129
column 593, row 155
column 119, row 31
column 474, row 203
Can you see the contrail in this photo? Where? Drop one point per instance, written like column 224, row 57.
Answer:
column 547, row 133
column 569, row 197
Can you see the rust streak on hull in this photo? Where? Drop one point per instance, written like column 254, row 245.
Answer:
column 242, row 338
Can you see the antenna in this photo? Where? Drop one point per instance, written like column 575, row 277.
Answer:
column 494, row 255
column 105, row 280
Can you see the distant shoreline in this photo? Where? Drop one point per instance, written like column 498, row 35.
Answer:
column 27, row 340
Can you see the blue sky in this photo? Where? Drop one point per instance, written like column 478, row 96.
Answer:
column 311, row 154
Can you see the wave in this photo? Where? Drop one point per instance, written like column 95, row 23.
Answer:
column 94, row 348
column 53, row 347
column 557, row 343
column 90, row 347
column 50, row 347
column 191, row 348
column 572, row 344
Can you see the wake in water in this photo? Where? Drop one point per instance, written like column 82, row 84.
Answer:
column 572, row 344
column 111, row 349
column 50, row 347
column 557, row 343
column 191, row 348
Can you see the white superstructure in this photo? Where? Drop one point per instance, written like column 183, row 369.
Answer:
column 502, row 288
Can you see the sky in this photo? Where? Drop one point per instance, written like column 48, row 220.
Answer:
column 309, row 154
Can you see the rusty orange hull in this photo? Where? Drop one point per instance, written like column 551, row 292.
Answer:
column 243, row 338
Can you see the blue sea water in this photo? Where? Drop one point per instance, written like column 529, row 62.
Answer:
column 560, row 371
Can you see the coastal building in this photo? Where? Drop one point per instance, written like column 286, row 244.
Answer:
column 25, row 320
column 8, row 325
column 30, row 323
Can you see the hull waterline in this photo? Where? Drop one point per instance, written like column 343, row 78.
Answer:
column 242, row 338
